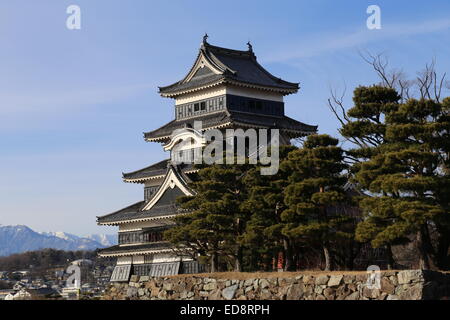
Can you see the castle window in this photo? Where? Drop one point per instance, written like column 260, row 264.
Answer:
column 149, row 192
column 139, row 237
column 209, row 105
column 258, row 105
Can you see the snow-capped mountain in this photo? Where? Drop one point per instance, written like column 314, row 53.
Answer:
column 16, row 239
column 61, row 235
column 106, row 240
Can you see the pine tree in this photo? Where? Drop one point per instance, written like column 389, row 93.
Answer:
column 315, row 185
column 365, row 127
column 265, row 203
column 215, row 220
column 406, row 177
column 443, row 192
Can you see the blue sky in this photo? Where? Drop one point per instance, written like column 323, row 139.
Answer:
column 74, row 103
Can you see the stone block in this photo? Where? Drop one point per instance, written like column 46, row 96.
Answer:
column 352, row 287
column 308, row 279
column 204, row 293
column 210, row 286
column 167, row 285
column 215, row 295
column 265, row 295
column 263, row 283
column 228, row 292
column 335, row 280
column 321, row 280
column 348, row 278
column 409, row 276
column 387, row 286
column 249, row 282
column 318, row 289
column 353, row 296
column 329, row 293
column 132, row 292
column 295, row 292
column 370, row 293
column 155, row 292
column 162, row 295
column 412, row 293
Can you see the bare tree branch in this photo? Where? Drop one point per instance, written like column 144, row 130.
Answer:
column 427, row 83
column 394, row 79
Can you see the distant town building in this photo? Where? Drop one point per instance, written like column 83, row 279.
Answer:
column 6, row 293
column 70, row 293
column 22, row 294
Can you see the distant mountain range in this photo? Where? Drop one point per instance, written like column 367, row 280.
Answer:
column 17, row 239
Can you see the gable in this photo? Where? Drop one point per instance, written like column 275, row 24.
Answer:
column 169, row 196
column 167, row 192
column 201, row 73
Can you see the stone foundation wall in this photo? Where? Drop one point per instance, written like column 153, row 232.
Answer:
column 393, row 285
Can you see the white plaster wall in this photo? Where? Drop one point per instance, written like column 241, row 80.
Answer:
column 124, row 260
column 221, row 90
column 135, row 226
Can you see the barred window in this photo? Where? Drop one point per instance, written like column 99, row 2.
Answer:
column 140, row 237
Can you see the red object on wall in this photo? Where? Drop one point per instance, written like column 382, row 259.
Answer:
column 280, row 261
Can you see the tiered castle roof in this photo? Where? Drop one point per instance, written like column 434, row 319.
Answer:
column 164, row 203
column 155, row 171
column 227, row 66
column 231, row 118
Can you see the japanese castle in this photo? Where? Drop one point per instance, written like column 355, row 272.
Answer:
column 225, row 88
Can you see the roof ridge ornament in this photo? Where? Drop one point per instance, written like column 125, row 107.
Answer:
column 250, row 47
column 205, row 39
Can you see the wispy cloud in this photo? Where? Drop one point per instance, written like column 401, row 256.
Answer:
column 64, row 100
column 322, row 43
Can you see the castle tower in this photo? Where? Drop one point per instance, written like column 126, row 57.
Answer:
column 224, row 89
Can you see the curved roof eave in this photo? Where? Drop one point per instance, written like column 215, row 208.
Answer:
column 208, row 53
